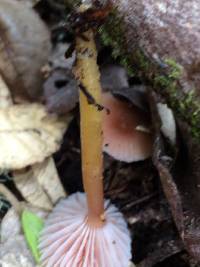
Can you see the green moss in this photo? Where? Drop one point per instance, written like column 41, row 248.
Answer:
column 142, row 61
column 185, row 105
column 111, row 33
column 175, row 69
column 190, row 110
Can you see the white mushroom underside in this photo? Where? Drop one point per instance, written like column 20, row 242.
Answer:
column 68, row 241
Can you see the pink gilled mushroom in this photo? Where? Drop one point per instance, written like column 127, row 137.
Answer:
column 84, row 230
column 125, row 130
column 70, row 241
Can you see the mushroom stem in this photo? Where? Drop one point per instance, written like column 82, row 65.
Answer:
column 88, row 74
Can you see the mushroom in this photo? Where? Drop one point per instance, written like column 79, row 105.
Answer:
column 71, row 239
column 84, row 230
column 125, row 130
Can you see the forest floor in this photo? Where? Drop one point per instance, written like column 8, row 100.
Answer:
column 134, row 188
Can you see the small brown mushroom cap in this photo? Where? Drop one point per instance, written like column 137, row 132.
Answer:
column 124, row 137
column 69, row 241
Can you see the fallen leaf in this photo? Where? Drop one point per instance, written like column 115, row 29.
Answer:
column 5, row 96
column 24, row 48
column 28, row 185
column 48, row 178
column 32, row 226
column 33, row 183
column 28, row 134
column 168, row 126
column 40, row 185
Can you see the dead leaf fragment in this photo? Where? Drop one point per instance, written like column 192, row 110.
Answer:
column 168, row 127
column 40, row 185
column 31, row 190
column 48, row 178
column 24, row 48
column 5, row 96
column 28, row 134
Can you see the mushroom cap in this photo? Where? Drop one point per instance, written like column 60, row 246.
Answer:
column 69, row 241
column 122, row 140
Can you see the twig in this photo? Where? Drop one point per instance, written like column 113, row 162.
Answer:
column 140, row 201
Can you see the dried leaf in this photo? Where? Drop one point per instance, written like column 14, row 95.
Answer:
column 5, row 96
column 48, row 178
column 34, row 182
column 40, row 185
column 27, row 181
column 168, row 122
column 32, row 226
column 28, row 135
column 24, row 49
column 28, row 185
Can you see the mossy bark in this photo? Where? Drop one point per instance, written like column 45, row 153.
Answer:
column 158, row 41
column 166, row 77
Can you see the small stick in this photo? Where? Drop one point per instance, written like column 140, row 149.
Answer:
column 87, row 72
